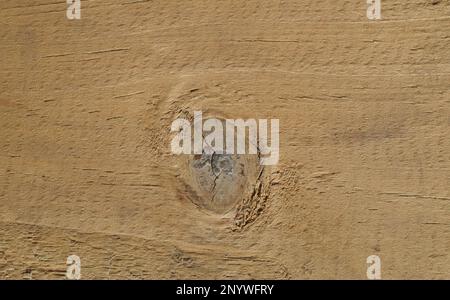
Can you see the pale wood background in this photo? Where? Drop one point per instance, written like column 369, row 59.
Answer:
column 85, row 113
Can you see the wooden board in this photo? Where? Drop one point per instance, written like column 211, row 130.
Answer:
column 85, row 113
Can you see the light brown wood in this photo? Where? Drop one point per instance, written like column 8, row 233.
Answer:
column 85, row 113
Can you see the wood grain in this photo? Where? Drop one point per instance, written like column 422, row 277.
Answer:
column 85, row 113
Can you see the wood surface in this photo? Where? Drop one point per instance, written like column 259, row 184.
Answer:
column 85, row 162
